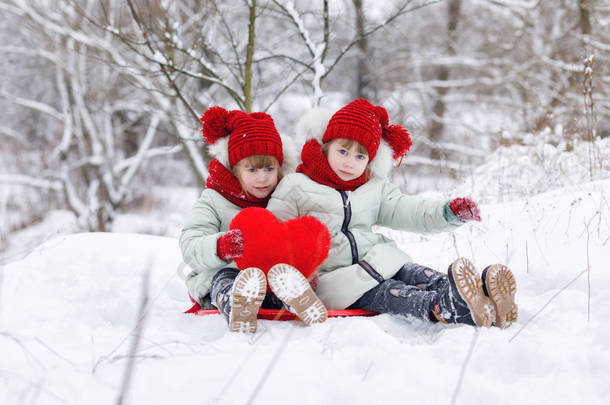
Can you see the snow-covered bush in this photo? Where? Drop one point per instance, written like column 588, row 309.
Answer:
column 515, row 171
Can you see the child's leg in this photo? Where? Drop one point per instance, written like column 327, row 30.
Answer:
column 458, row 297
column 221, row 290
column 271, row 301
column 498, row 284
column 396, row 297
column 420, row 276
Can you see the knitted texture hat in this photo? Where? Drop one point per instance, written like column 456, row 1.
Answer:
column 248, row 135
column 368, row 125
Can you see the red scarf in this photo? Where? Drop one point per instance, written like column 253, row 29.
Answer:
column 222, row 180
column 316, row 167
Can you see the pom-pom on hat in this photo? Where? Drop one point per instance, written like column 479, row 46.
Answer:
column 235, row 135
column 368, row 125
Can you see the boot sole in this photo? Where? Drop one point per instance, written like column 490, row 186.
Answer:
column 293, row 289
column 470, row 287
column 501, row 288
column 249, row 291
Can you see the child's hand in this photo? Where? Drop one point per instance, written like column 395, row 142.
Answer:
column 230, row 245
column 465, row 209
column 313, row 281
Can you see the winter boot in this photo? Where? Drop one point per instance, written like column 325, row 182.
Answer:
column 499, row 284
column 248, row 294
column 461, row 298
column 290, row 286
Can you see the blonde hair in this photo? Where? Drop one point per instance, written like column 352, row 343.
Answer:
column 346, row 143
column 258, row 162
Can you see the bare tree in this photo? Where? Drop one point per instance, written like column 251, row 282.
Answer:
column 364, row 85
column 319, row 60
column 84, row 161
column 100, row 89
column 438, row 110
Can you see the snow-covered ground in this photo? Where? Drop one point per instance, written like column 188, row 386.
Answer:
column 69, row 308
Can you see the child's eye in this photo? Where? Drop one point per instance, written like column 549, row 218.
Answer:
column 251, row 170
column 343, row 151
column 270, row 168
column 360, row 157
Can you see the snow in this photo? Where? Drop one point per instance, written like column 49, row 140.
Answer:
column 518, row 170
column 68, row 313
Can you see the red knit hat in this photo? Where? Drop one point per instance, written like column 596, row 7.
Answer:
column 367, row 124
column 249, row 134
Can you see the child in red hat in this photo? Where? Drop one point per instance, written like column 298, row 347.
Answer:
column 343, row 182
column 250, row 158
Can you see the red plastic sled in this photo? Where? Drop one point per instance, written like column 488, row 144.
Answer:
column 284, row 315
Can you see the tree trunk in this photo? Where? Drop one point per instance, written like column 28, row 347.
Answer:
column 364, row 87
column 584, row 17
column 437, row 128
column 249, row 58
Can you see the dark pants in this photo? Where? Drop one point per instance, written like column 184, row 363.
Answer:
column 222, row 285
column 412, row 291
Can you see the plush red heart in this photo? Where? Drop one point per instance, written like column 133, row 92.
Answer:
column 302, row 242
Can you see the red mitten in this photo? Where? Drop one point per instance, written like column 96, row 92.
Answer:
column 314, row 281
column 230, row 245
column 465, row 209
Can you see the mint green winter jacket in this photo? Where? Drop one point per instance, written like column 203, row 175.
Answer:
column 359, row 259
column 208, row 220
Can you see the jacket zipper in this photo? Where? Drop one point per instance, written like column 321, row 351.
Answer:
column 347, row 211
column 347, row 217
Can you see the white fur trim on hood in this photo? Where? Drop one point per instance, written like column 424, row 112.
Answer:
column 291, row 155
column 313, row 124
column 382, row 164
column 220, row 151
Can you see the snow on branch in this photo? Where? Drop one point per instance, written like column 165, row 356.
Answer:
column 595, row 44
column 140, row 155
column 523, row 4
column 34, row 105
column 403, row 9
column 300, row 25
column 151, row 153
column 72, row 199
column 42, row 53
column 10, row 133
column 448, row 146
column 29, row 181
column 66, row 138
column 570, row 67
column 423, row 161
column 426, row 84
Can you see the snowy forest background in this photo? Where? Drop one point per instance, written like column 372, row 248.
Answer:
column 101, row 99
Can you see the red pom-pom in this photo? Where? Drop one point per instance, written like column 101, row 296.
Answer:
column 214, row 124
column 399, row 139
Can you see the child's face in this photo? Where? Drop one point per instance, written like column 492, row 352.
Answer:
column 258, row 182
column 347, row 162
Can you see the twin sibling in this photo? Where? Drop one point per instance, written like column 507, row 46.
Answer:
column 342, row 181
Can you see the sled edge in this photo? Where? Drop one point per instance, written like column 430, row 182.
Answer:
column 284, row 315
